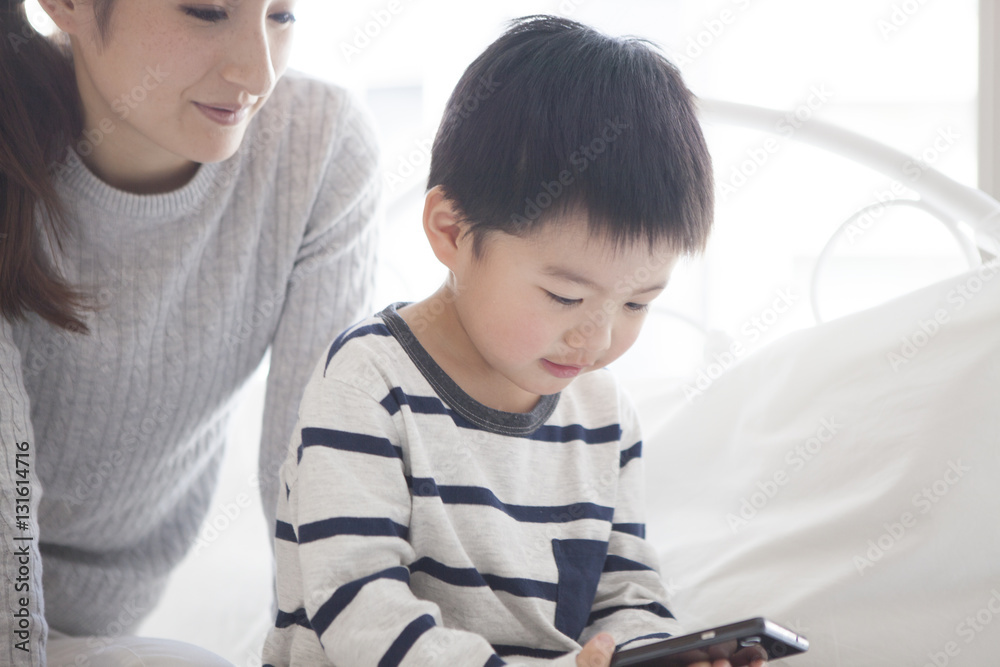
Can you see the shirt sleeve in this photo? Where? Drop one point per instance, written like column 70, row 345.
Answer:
column 630, row 599
column 22, row 624
column 342, row 542
column 330, row 287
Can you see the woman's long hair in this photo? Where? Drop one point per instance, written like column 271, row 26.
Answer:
column 39, row 117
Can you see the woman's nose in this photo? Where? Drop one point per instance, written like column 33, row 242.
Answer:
column 248, row 58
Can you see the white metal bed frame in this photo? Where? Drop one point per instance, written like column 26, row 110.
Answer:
column 972, row 216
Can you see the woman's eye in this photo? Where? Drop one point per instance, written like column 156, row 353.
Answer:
column 284, row 18
column 637, row 307
column 563, row 300
column 207, row 14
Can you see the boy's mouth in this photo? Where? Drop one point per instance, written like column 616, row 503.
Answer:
column 560, row 370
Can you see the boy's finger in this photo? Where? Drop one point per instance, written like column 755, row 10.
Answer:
column 597, row 652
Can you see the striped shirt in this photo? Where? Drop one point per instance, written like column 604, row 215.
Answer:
column 417, row 526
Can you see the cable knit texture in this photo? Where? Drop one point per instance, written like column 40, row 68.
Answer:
column 273, row 248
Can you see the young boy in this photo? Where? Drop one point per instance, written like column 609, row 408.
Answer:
column 464, row 486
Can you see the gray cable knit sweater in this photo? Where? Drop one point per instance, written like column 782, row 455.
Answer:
column 110, row 443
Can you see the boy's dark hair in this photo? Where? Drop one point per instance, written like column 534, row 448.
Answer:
column 556, row 118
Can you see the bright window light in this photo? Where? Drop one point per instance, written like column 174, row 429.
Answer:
column 902, row 72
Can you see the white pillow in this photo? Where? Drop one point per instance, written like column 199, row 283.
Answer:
column 845, row 481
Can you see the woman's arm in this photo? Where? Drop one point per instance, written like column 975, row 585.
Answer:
column 330, row 287
column 23, row 628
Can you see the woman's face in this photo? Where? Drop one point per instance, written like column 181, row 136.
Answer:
column 172, row 83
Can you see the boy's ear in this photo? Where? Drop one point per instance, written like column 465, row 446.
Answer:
column 68, row 15
column 443, row 227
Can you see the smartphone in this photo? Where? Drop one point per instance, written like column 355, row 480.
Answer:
column 740, row 643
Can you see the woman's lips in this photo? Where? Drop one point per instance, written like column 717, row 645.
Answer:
column 226, row 115
column 561, row 371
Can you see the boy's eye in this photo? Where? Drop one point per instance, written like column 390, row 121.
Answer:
column 637, row 307
column 563, row 300
column 207, row 14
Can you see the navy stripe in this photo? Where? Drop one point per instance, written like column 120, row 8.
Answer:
column 424, row 405
column 633, row 452
column 432, row 405
column 348, row 442
column 591, row 436
column 378, row 329
column 285, row 531
column 637, row 529
column 477, row 495
column 494, row 661
column 423, row 487
column 508, row 650
column 470, row 577
column 405, row 641
column 652, row 607
column 286, row 619
column 349, row 525
column 344, row 595
column 655, row 635
column 390, row 403
column 620, row 564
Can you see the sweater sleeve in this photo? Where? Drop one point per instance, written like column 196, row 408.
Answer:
column 22, row 623
column 630, row 598
column 343, row 549
column 330, row 287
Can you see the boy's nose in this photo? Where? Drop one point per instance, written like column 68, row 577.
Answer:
column 592, row 335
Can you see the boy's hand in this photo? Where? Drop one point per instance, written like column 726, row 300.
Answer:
column 597, row 652
column 593, row 655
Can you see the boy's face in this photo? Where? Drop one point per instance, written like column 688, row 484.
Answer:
column 540, row 310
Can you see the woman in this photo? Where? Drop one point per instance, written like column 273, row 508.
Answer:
column 172, row 208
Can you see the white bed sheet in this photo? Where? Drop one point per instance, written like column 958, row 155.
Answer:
column 801, row 552
column 845, row 481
